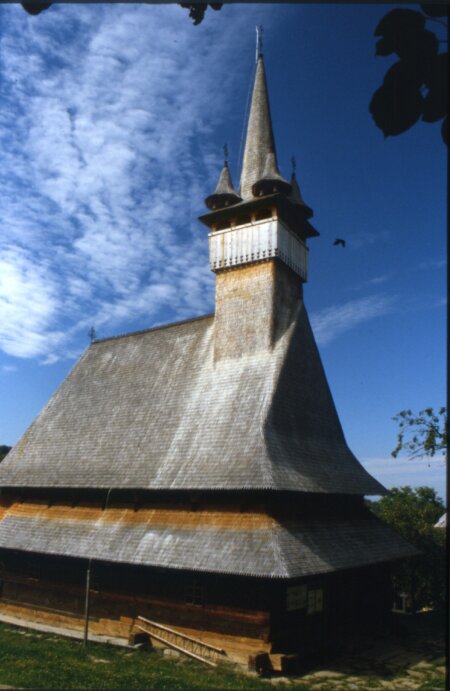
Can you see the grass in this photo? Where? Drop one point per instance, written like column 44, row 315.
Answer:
column 32, row 660
column 41, row 661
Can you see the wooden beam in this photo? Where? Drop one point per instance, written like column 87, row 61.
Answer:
column 182, row 635
column 177, row 647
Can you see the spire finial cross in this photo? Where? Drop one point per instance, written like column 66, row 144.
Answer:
column 294, row 164
column 259, row 41
column 225, row 153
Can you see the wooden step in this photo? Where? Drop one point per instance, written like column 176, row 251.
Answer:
column 188, row 645
column 237, row 648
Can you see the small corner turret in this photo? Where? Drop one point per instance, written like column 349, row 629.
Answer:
column 271, row 181
column 224, row 194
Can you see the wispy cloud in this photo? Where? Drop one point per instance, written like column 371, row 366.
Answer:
column 336, row 320
column 398, row 472
column 106, row 144
column 364, row 238
column 7, row 369
column 375, row 281
column 432, row 264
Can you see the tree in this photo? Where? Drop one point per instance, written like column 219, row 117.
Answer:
column 413, row 513
column 196, row 10
column 414, row 87
column 3, row 451
column 423, row 434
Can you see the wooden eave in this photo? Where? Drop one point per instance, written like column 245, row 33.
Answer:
column 286, row 211
column 252, row 543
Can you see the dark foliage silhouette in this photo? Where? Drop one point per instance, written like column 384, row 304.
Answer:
column 3, row 451
column 197, row 10
column 414, row 87
column 35, row 7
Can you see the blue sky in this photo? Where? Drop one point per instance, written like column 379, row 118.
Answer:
column 112, row 124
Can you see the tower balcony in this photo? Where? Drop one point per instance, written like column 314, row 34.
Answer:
column 258, row 241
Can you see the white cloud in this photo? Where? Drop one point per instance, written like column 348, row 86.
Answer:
column 375, row 281
column 106, row 160
column 27, row 304
column 433, row 264
column 364, row 238
column 7, row 369
column 336, row 320
column 398, row 472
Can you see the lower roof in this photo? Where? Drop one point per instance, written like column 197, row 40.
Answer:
column 230, row 542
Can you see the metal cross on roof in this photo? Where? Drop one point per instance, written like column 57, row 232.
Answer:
column 259, row 41
column 294, row 164
column 225, row 152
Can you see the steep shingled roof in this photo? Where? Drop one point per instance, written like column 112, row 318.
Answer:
column 153, row 410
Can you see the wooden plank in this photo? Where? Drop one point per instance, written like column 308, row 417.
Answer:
column 183, row 635
column 221, row 611
column 233, row 645
column 109, row 612
column 38, row 607
column 177, row 647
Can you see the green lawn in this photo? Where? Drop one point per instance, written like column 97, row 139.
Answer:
column 41, row 661
column 32, row 660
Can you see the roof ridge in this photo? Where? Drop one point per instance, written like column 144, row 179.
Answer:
column 159, row 327
column 277, row 550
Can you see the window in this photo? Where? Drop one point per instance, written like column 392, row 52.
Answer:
column 195, row 593
column 315, row 601
column 296, row 597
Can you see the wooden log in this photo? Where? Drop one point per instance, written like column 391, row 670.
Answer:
column 180, row 650
column 259, row 617
column 182, row 635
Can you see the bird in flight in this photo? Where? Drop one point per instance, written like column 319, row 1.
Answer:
column 339, row 241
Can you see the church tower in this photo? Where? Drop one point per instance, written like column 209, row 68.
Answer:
column 257, row 243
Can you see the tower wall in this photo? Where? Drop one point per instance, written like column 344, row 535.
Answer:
column 255, row 304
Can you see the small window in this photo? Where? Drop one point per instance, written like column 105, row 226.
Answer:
column 296, row 597
column 315, row 601
column 195, row 594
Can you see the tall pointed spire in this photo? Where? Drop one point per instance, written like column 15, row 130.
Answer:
column 259, row 141
column 263, row 194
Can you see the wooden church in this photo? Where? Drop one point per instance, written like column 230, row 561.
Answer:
column 198, row 471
